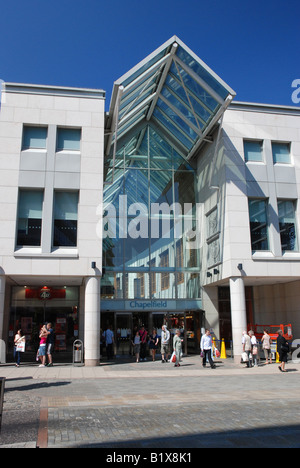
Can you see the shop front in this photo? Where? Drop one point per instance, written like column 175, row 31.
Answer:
column 32, row 307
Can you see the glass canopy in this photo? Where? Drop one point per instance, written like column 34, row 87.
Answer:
column 160, row 113
column 175, row 91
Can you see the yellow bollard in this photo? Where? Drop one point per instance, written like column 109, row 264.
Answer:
column 277, row 357
column 223, row 350
column 214, row 345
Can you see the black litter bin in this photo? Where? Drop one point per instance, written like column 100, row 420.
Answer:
column 2, row 385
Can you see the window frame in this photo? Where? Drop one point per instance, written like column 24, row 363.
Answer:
column 266, row 224
column 260, row 143
column 282, row 143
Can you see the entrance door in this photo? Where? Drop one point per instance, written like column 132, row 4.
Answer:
column 123, row 334
column 177, row 322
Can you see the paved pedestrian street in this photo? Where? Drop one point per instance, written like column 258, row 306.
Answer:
column 151, row 405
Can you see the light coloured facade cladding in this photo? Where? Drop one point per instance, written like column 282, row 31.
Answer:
column 56, row 162
column 226, row 188
column 63, row 179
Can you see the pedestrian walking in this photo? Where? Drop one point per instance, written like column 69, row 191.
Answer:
column 18, row 339
column 50, row 344
column 266, row 345
column 136, row 343
column 206, row 349
column 153, row 343
column 144, row 338
column 254, row 348
column 42, row 348
column 109, row 342
column 165, row 344
column 246, row 342
column 177, row 347
column 283, row 348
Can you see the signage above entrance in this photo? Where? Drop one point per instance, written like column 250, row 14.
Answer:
column 45, row 293
column 151, row 305
column 138, row 304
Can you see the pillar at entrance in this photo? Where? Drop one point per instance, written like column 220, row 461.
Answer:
column 2, row 297
column 238, row 315
column 92, row 321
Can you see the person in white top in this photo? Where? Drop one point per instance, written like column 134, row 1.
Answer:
column 254, row 348
column 165, row 347
column 206, row 347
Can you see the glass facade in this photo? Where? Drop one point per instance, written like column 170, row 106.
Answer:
column 160, row 112
column 150, row 211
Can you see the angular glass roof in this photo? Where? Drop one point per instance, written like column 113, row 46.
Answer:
column 175, row 91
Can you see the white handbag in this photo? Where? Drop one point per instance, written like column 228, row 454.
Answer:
column 21, row 347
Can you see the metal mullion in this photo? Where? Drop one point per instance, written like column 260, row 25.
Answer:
column 176, row 125
column 187, row 95
column 182, row 116
column 136, row 110
column 176, row 96
column 200, row 81
column 147, row 72
column 180, row 147
column 191, row 92
column 162, row 80
column 142, row 116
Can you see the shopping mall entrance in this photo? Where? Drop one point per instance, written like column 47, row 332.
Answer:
column 126, row 324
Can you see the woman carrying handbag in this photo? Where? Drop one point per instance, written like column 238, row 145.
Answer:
column 19, row 347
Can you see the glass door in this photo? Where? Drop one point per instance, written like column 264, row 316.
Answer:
column 123, row 334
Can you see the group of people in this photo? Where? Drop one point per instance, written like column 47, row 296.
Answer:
column 250, row 348
column 46, row 345
column 141, row 340
column 47, row 339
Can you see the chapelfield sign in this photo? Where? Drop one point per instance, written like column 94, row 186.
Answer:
column 148, row 305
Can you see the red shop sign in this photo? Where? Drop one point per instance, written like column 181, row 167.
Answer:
column 45, row 293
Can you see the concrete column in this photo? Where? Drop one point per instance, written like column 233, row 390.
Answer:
column 2, row 301
column 92, row 321
column 238, row 314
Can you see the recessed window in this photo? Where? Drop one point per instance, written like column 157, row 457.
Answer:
column 258, row 224
column 65, row 219
column 68, row 139
column 34, row 137
column 253, row 150
column 29, row 226
column 287, row 225
column 281, row 153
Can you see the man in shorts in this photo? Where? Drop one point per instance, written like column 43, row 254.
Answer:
column 165, row 344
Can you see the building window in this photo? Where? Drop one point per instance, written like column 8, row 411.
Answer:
column 287, row 225
column 281, row 153
column 34, row 137
column 65, row 219
column 29, row 225
column 68, row 139
column 253, row 151
column 258, row 224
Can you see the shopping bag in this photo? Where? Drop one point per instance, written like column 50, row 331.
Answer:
column 21, row 347
column 218, row 353
column 245, row 357
column 173, row 357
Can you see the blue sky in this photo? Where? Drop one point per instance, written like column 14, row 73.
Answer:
column 252, row 45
